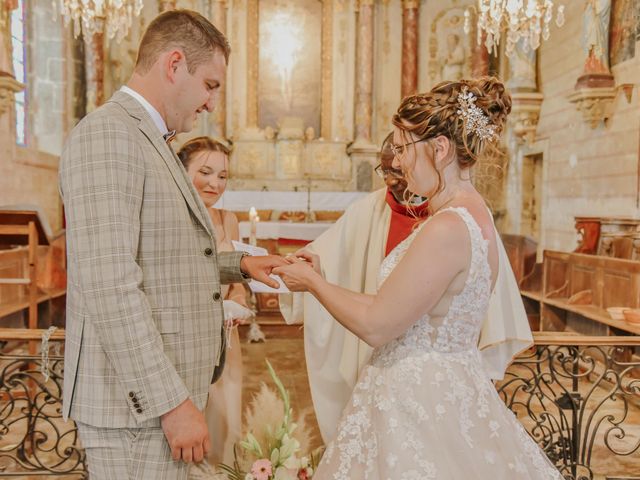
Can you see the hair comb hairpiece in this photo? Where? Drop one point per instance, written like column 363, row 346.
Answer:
column 475, row 119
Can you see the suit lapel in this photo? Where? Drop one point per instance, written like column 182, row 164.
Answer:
column 171, row 160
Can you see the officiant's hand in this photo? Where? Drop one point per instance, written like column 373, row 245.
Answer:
column 260, row 267
column 298, row 276
column 187, row 433
column 308, row 256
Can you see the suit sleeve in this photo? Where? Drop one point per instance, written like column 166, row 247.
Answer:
column 229, row 265
column 102, row 176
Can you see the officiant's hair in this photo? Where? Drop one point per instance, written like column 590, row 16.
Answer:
column 200, row 144
column 185, row 29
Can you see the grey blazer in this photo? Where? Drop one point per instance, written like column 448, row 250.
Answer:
column 144, row 308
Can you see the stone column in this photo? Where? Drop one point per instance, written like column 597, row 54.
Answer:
column 526, row 100
column 217, row 120
column 166, row 5
column 480, row 58
column 94, row 60
column 410, row 38
column 363, row 152
column 364, row 72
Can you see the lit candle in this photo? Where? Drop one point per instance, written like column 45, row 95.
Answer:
column 253, row 219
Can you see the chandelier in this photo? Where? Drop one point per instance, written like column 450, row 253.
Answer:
column 514, row 19
column 112, row 17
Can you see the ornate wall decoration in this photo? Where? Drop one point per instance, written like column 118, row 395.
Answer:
column 525, row 113
column 253, row 159
column 327, row 160
column 9, row 86
column 290, row 62
column 594, row 103
column 289, row 159
column 450, row 49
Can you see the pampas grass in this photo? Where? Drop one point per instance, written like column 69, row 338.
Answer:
column 262, row 416
column 265, row 415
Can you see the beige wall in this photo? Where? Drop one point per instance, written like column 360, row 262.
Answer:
column 586, row 172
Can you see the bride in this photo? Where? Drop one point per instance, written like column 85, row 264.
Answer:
column 424, row 406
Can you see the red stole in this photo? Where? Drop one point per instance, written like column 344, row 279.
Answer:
column 402, row 221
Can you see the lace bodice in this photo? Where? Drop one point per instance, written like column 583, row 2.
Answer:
column 460, row 328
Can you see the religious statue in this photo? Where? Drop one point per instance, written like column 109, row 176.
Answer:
column 595, row 35
column 453, row 62
column 522, row 68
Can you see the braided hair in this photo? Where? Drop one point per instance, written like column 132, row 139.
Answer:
column 437, row 112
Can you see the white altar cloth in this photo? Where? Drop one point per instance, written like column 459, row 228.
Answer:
column 243, row 200
column 290, row 230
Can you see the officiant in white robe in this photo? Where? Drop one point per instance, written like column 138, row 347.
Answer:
column 351, row 252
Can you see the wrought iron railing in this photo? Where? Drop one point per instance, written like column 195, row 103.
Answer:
column 34, row 439
column 575, row 395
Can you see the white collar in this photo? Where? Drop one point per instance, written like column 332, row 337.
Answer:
column 155, row 115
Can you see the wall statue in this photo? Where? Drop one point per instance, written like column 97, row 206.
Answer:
column 454, row 59
column 595, row 35
column 522, row 68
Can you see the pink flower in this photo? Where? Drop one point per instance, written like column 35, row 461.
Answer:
column 304, row 474
column 261, row 469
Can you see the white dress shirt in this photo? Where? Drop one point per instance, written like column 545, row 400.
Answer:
column 155, row 115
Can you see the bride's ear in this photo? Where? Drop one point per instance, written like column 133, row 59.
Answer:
column 442, row 149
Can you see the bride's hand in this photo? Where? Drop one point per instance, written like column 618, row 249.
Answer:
column 310, row 257
column 298, row 276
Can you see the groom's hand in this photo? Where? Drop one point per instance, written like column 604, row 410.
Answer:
column 260, row 267
column 187, row 433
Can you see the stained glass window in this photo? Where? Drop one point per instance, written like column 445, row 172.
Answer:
column 20, row 70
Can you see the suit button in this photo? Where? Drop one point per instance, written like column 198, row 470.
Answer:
column 131, row 394
column 139, row 410
column 216, row 296
column 134, row 400
column 136, row 405
column 208, row 252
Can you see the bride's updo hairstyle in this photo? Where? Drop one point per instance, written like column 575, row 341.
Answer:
column 470, row 113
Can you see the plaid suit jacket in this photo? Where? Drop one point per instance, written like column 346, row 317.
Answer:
column 144, row 307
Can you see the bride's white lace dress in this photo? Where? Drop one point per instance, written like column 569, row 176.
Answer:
column 423, row 408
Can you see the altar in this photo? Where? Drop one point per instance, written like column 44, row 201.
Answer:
column 303, row 232
column 295, row 216
column 243, row 200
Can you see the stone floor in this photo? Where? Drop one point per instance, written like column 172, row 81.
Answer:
column 284, row 349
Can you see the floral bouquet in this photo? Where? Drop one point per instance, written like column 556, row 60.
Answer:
column 271, row 448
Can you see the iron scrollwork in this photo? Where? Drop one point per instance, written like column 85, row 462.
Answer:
column 34, row 438
column 574, row 400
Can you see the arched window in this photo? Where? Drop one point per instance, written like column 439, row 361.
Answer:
column 20, row 70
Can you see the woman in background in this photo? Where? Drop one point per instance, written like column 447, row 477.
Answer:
column 207, row 164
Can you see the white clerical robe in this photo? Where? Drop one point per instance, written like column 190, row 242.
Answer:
column 351, row 252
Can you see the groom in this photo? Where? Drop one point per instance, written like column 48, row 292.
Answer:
column 144, row 309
